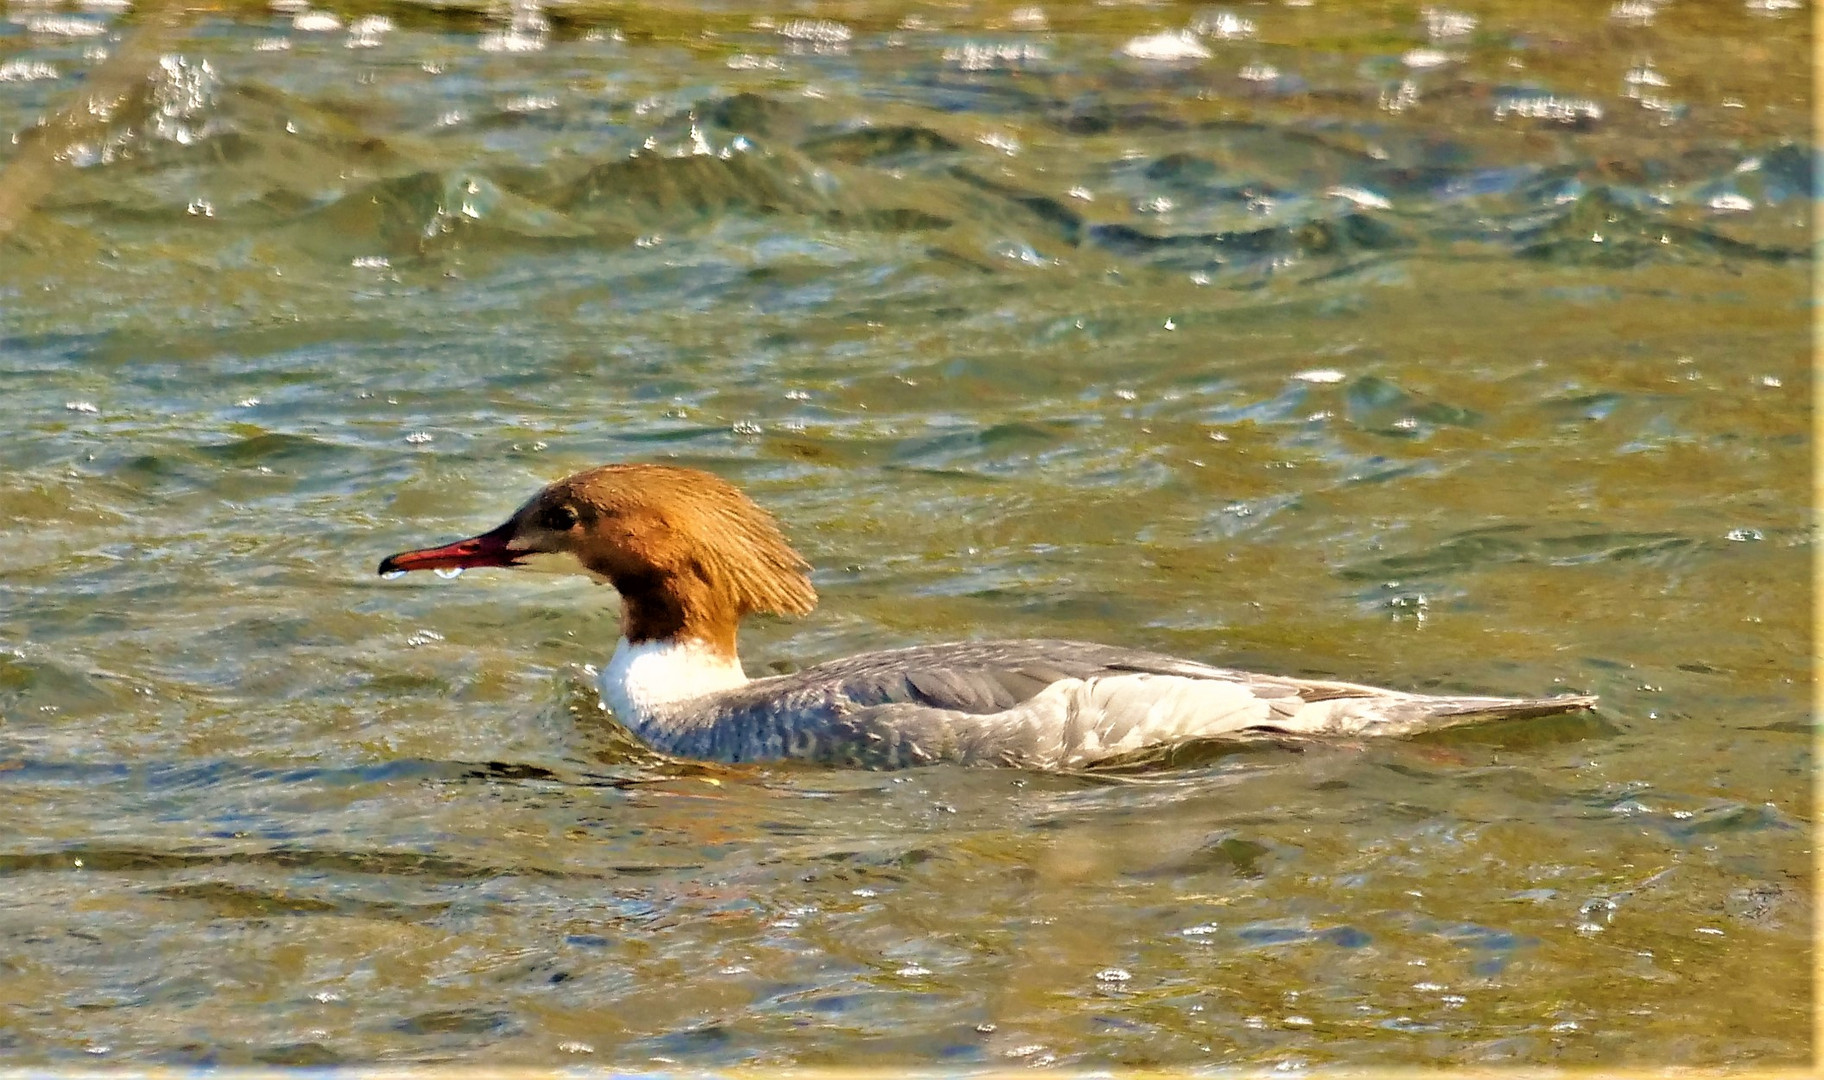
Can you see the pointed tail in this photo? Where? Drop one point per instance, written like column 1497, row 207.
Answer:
column 1464, row 709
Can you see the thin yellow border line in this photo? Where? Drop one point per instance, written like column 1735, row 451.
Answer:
column 476, row 1072
column 1817, row 579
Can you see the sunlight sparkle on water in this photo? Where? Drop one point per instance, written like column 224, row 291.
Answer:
column 1167, row 47
column 315, row 22
column 1223, row 26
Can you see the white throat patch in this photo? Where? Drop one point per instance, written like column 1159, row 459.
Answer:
column 642, row 680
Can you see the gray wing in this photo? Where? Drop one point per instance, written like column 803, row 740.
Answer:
column 1047, row 704
column 975, row 677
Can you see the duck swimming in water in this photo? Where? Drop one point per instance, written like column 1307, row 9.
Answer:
column 690, row 556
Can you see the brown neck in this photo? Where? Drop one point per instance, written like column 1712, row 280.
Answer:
column 678, row 607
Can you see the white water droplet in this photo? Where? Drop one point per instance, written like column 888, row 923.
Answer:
column 392, row 574
column 447, row 572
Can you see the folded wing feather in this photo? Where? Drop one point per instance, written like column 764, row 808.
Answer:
column 1049, row 704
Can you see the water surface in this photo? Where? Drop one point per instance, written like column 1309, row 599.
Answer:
column 1456, row 350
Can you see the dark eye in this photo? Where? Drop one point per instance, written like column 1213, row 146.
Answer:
column 559, row 518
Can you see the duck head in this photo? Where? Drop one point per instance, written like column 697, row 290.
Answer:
column 688, row 552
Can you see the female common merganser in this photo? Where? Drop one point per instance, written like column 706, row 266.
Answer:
column 690, row 555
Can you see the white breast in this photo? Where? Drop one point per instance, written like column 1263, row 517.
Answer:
column 643, row 680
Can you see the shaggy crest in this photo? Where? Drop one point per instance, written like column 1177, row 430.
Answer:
column 679, row 523
column 689, row 554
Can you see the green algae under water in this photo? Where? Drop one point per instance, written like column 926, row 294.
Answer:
column 1459, row 350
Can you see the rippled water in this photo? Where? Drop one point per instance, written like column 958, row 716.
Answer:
column 1440, row 349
